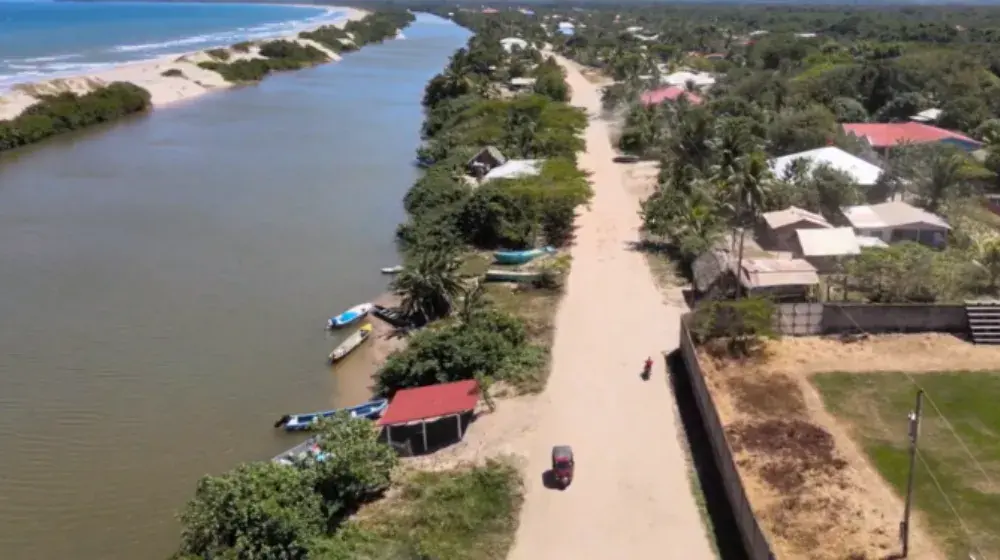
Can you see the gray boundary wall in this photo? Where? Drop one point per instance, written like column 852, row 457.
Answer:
column 808, row 319
column 753, row 537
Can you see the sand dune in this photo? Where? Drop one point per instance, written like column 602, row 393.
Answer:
column 193, row 81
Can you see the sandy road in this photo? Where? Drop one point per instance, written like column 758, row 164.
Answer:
column 631, row 497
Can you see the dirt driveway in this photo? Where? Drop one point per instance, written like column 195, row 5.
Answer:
column 631, row 497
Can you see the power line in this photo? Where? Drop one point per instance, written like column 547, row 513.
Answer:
column 947, row 501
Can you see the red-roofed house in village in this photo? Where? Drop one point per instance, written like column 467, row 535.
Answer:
column 669, row 93
column 883, row 137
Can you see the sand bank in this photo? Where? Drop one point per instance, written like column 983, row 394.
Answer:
column 193, row 81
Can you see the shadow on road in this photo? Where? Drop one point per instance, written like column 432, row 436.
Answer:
column 725, row 534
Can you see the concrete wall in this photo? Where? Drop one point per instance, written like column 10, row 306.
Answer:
column 754, row 541
column 875, row 318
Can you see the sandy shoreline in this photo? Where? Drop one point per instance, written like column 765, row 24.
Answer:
column 193, row 82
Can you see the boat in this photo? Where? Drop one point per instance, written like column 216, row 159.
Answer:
column 349, row 316
column 391, row 316
column 298, row 455
column 521, row 257
column 299, row 422
column 494, row 275
column 393, row 269
column 351, row 342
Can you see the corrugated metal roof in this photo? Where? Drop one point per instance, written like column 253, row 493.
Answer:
column 515, row 169
column 892, row 214
column 887, row 135
column 522, row 81
column 862, row 172
column 833, row 242
column 432, row 401
column 793, row 214
column 772, row 273
column 865, row 241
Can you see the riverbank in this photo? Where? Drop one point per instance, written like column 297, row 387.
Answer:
column 168, row 79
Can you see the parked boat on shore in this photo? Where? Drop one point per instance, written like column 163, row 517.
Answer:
column 351, row 342
column 393, row 269
column 495, row 275
column 390, row 315
column 521, row 257
column 349, row 316
column 299, row 422
column 308, row 449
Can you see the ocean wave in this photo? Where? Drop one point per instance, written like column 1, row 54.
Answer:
column 234, row 36
column 54, row 58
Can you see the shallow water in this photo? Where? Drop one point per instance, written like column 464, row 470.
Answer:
column 166, row 282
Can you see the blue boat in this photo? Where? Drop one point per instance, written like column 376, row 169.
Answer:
column 521, row 257
column 299, row 422
column 349, row 316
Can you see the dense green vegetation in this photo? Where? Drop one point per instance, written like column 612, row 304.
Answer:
column 281, row 55
column 785, row 81
column 967, row 399
column 66, row 112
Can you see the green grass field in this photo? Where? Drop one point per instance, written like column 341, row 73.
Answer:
column 875, row 407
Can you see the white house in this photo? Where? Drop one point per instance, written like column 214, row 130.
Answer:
column 863, row 173
column 927, row 116
column 701, row 80
column 511, row 43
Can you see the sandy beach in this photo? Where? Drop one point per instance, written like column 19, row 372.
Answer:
column 193, row 82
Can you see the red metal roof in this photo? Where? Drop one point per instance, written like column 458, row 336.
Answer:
column 887, row 135
column 669, row 93
column 432, row 401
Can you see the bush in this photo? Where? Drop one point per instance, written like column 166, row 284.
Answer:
column 492, row 344
column 221, row 54
column 66, row 112
column 243, row 47
column 172, row 73
column 288, row 50
column 742, row 325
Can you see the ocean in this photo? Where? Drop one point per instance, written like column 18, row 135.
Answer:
column 40, row 40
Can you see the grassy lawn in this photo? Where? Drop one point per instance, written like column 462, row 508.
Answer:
column 875, row 407
column 469, row 514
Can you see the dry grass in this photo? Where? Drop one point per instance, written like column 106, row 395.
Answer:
column 811, row 486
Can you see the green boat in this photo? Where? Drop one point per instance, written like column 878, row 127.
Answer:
column 495, row 275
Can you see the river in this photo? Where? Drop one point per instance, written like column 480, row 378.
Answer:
column 166, row 281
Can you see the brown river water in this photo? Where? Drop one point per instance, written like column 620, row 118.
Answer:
column 164, row 284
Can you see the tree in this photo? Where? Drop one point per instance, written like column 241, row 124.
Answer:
column 428, row 284
column 357, row 467
column 849, row 110
column 258, row 510
column 798, row 130
column 989, row 257
column 934, row 174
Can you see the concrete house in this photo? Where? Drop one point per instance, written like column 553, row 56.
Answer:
column 715, row 277
column 884, row 137
column 779, row 227
column 860, row 171
column 897, row 221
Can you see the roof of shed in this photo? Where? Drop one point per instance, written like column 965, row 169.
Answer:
column 432, row 401
column 892, row 214
column 833, row 242
column 773, row 273
column 791, row 215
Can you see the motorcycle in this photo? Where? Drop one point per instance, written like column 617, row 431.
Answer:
column 647, row 369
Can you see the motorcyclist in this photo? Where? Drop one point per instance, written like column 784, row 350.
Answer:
column 649, row 365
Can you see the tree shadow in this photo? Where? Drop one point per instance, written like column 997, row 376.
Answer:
column 720, row 512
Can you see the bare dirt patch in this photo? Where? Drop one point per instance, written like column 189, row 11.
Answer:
column 812, row 487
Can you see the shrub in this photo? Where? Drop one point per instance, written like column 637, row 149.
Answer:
column 221, row 54
column 65, row 112
column 172, row 73
column 243, row 47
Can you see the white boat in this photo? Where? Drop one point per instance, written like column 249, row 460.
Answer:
column 393, row 269
column 349, row 316
column 351, row 342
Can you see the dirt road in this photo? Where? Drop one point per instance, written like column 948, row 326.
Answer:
column 631, row 497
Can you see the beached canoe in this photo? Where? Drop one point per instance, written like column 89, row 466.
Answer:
column 301, row 454
column 349, row 316
column 494, row 275
column 521, row 257
column 351, row 342
column 391, row 316
column 393, row 269
column 299, row 422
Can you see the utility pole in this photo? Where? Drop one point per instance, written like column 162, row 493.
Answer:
column 914, row 428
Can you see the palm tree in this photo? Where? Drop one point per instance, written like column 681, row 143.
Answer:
column 943, row 177
column 750, row 189
column 428, row 285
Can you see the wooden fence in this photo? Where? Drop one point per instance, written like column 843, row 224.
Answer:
column 754, row 541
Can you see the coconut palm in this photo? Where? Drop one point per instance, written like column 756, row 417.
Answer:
column 428, row 285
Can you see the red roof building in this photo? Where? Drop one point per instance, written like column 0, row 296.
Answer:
column 421, row 405
column 889, row 135
column 669, row 93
